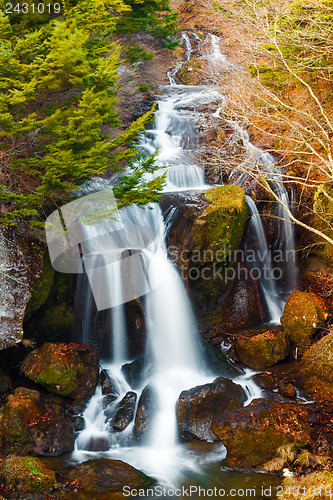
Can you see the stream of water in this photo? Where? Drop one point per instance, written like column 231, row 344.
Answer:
column 173, row 360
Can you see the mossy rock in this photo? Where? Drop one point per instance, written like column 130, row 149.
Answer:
column 42, row 288
column 254, row 434
column 55, row 317
column 29, row 426
column 27, row 475
column 191, row 72
column 263, row 349
column 304, row 313
column 216, row 236
column 66, row 369
column 219, row 229
column 316, row 369
column 104, row 476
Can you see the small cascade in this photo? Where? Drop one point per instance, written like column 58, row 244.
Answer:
column 266, row 163
column 263, row 263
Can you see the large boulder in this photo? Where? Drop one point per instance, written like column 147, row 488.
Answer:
column 69, row 370
column 146, row 408
column 105, row 476
column 29, row 426
column 21, row 266
column 27, row 475
column 124, row 412
column 315, row 371
column 262, row 349
column 216, row 235
column 200, row 406
column 303, row 314
column 254, row 435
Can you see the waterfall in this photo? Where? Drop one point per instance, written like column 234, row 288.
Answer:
column 172, row 360
column 256, row 157
column 263, row 263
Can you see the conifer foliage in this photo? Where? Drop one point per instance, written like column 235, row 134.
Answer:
column 58, row 112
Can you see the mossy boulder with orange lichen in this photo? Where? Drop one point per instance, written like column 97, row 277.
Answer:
column 69, row 370
column 316, row 369
column 254, row 434
column 191, row 72
column 27, row 475
column 304, row 313
column 263, row 349
column 29, row 426
column 105, row 476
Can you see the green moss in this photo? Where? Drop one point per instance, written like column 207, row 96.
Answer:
column 41, row 290
column 303, row 314
column 190, row 72
column 263, row 350
column 27, row 475
column 220, row 227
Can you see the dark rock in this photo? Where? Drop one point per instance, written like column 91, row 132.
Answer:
column 106, row 383
column 104, row 476
column 124, row 412
column 133, row 372
column 67, row 369
column 27, row 475
column 217, row 361
column 29, row 426
column 98, row 443
column 5, row 382
column 79, row 423
column 286, row 389
column 199, row 407
column 146, row 408
column 265, row 381
column 263, row 349
column 254, row 434
column 108, row 399
column 304, row 313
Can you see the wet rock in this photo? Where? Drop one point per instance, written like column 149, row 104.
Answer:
column 104, row 476
column 108, row 399
column 29, row 426
column 286, row 389
column 27, row 475
column 106, row 383
column 217, row 361
column 98, row 443
column 124, row 412
column 254, row 434
column 67, row 369
column 146, row 408
column 79, row 423
column 304, row 313
column 191, row 72
column 262, row 350
column 133, row 372
column 265, row 381
column 199, row 407
column 242, row 306
column 315, row 372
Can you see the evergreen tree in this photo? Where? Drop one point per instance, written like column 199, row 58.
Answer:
column 58, row 112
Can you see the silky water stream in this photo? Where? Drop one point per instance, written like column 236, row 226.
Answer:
column 172, row 360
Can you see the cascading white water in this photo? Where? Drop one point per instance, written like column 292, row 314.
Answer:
column 173, row 361
column 286, row 237
column 263, row 264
